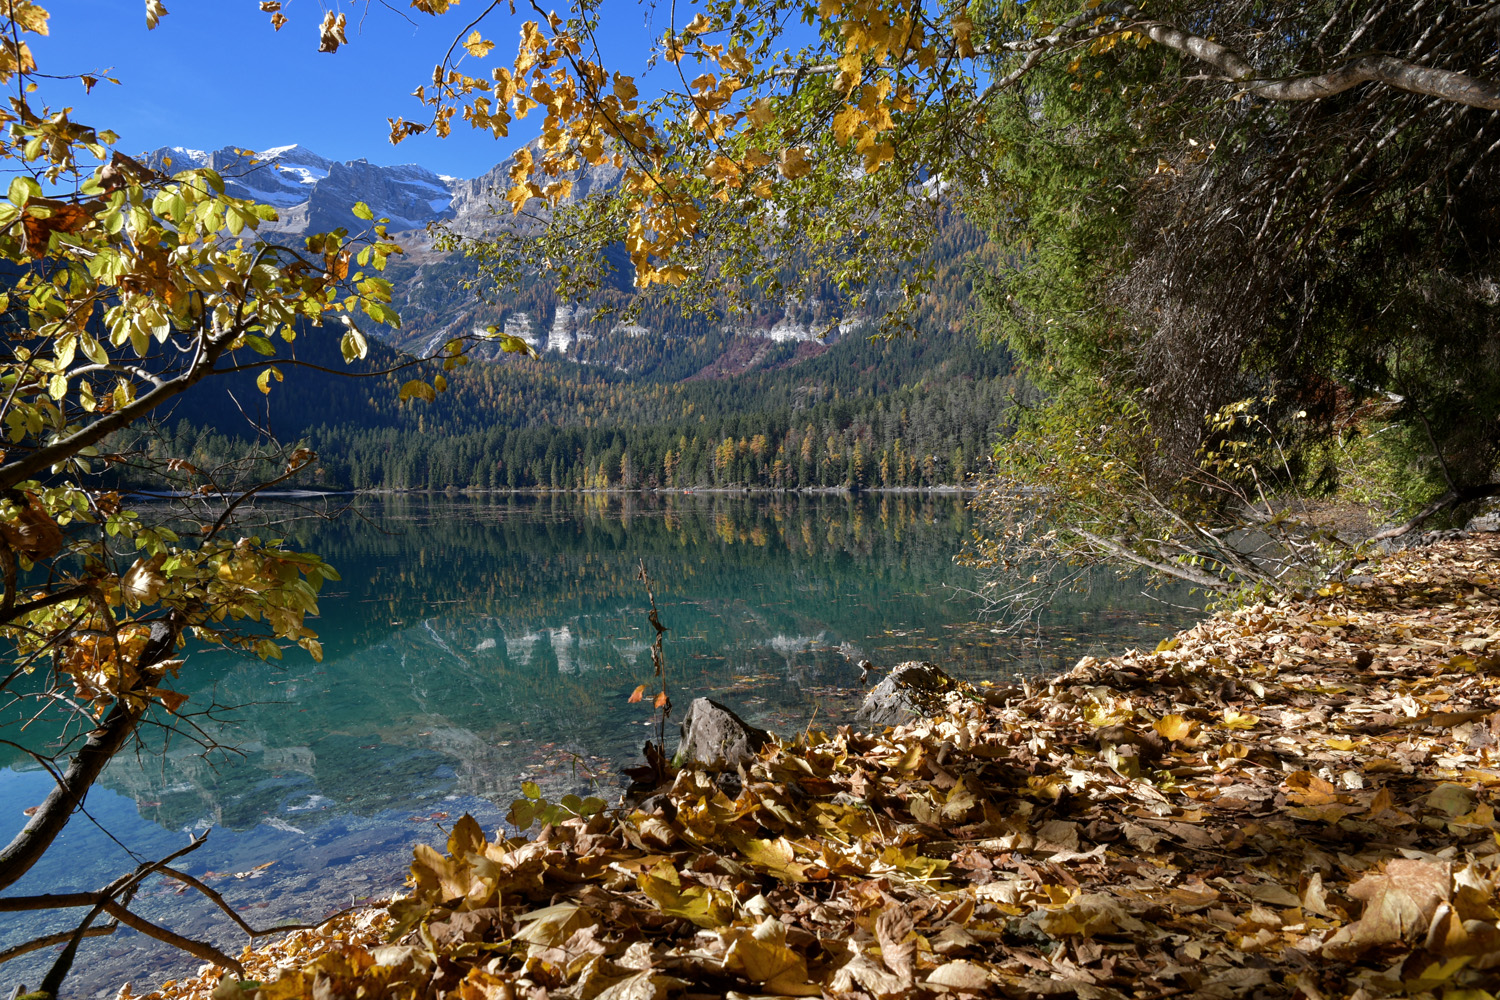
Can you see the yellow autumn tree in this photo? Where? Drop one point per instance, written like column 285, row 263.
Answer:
column 122, row 288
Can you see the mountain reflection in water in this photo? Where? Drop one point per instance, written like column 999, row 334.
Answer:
column 475, row 643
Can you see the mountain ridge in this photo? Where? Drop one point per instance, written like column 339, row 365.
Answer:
column 313, row 193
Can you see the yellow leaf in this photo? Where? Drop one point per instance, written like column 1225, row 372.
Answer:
column 478, row 46
column 846, row 121
column 877, row 155
column 1340, row 743
column 775, row 856
column 172, row 700
column 794, row 162
column 263, row 380
column 143, row 581
column 963, row 27
column 418, row 389
column 1173, row 727
column 759, row 111
column 696, row 903
column 762, row 956
column 1234, row 719
column 551, row 925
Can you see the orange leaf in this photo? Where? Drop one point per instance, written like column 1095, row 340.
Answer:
column 635, row 695
column 661, row 699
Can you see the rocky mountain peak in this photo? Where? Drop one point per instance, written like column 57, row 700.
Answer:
column 313, row 193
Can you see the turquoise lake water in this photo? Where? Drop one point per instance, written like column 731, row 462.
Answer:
column 475, row 643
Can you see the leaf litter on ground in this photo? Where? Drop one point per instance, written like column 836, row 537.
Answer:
column 1293, row 799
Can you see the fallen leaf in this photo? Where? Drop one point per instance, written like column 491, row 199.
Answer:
column 1399, row 906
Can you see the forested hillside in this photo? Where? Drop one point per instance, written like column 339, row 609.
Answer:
column 861, row 413
column 668, row 402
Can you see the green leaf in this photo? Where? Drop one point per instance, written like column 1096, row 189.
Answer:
column 22, row 190
column 522, row 813
column 362, row 211
column 381, row 313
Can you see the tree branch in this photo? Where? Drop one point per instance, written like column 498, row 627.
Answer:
column 49, row 940
column 1451, row 499
column 198, row 949
column 28, row 846
column 222, row 904
column 42, row 459
column 125, row 884
column 1170, row 569
column 1447, row 85
column 66, row 594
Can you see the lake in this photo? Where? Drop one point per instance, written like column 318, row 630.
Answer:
column 476, row 643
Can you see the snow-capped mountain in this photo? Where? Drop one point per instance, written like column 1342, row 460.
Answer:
column 312, row 193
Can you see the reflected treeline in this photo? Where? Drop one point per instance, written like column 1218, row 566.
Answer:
column 517, row 557
column 477, row 642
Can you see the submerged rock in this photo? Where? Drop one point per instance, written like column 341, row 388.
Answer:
column 910, row 692
column 714, row 737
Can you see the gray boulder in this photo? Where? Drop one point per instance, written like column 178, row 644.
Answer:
column 717, row 739
column 1488, row 521
column 909, row 692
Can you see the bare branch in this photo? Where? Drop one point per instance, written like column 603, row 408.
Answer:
column 50, row 940
column 28, row 846
column 1446, row 85
column 1170, row 569
column 198, row 949
column 1447, row 500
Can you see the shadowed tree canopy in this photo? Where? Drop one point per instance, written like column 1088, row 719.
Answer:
column 1236, row 301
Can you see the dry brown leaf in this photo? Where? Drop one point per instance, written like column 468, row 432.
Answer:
column 898, row 945
column 1400, row 903
column 966, row 977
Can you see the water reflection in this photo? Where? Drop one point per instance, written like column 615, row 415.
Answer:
column 478, row 642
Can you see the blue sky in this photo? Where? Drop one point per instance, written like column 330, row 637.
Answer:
column 215, row 74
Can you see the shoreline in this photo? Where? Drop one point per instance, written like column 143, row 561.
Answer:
column 454, row 491
column 1295, row 798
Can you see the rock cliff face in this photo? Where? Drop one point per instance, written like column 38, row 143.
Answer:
column 479, row 205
